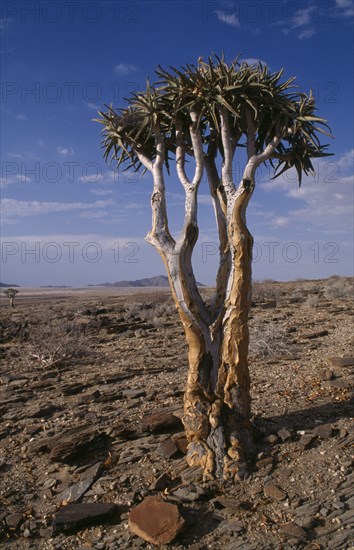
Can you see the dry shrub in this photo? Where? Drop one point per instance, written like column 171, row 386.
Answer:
column 151, row 310
column 269, row 341
column 338, row 288
column 312, row 301
column 263, row 291
column 55, row 343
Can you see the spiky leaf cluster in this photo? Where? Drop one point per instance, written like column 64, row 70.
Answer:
column 246, row 93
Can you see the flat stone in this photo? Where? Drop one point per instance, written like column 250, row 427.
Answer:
column 339, row 383
column 181, row 442
column 292, row 530
column 268, row 305
column 156, row 521
column 306, row 440
column 341, row 361
column 317, row 334
column 265, row 466
column 327, row 374
column 309, row 508
column 305, row 521
column 191, row 493
column 160, row 483
column 272, row 491
column 74, row 517
column 89, row 396
column 232, row 527
column 284, row 434
column 161, row 421
column 324, row 431
column 168, row 448
column 76, row 491
column 13, row 520
column 133, row 394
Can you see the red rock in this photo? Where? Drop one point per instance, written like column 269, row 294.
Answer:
column 156, row 521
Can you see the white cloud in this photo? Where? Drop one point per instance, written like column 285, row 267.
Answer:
column 346, row 161
column 94, row 215
column 302, row 17
column 106, row 178
column 345, row 7
column 307, row 33
column 101, row 192
column 65, row 151
column 327, row 197
column 93, row 106
column 123, row 69
column 280, row 221
column 10, row 180
column 12, row 208
column 228, row 18
column 21, row 117
column 253, row 61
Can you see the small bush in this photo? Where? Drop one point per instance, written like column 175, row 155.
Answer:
column 338, row 288
column 269, row 341
column 55, row 343
column 264, row 291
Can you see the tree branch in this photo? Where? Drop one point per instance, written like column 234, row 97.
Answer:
column 145, row 161
column 229, row 149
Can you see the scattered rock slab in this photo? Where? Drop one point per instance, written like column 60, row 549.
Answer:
column 338, row 383
column 284, row 434
column 341, row 361
column 76, row 491
column 230, row 527
column 160, row 483
column 13, row 521
column 294, row 531
column 161, row 421
column 156, row 521
column 71, row 443
column 324, row 431
column 316, row 334
column 273, row 491
column 191, row 493
column 74, row 517
column 168, row 448
column 133, row 394
column 306, row 441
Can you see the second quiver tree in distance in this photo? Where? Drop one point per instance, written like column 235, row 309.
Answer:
column 205, row 112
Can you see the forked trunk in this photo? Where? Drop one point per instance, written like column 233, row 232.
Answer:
column 217, row 397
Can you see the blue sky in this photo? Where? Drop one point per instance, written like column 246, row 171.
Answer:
column 68, row 219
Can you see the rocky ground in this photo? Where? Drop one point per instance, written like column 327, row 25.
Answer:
column 91, row 389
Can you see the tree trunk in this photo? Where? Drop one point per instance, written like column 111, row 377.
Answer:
column 217, row 397
column 11, row 301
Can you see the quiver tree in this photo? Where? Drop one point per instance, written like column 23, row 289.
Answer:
column 11, row 293
column 206, row 113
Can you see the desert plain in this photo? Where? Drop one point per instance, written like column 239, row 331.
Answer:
column 91, row 400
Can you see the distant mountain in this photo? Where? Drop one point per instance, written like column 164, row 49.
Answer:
column 159, row 281
column 3, row 285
